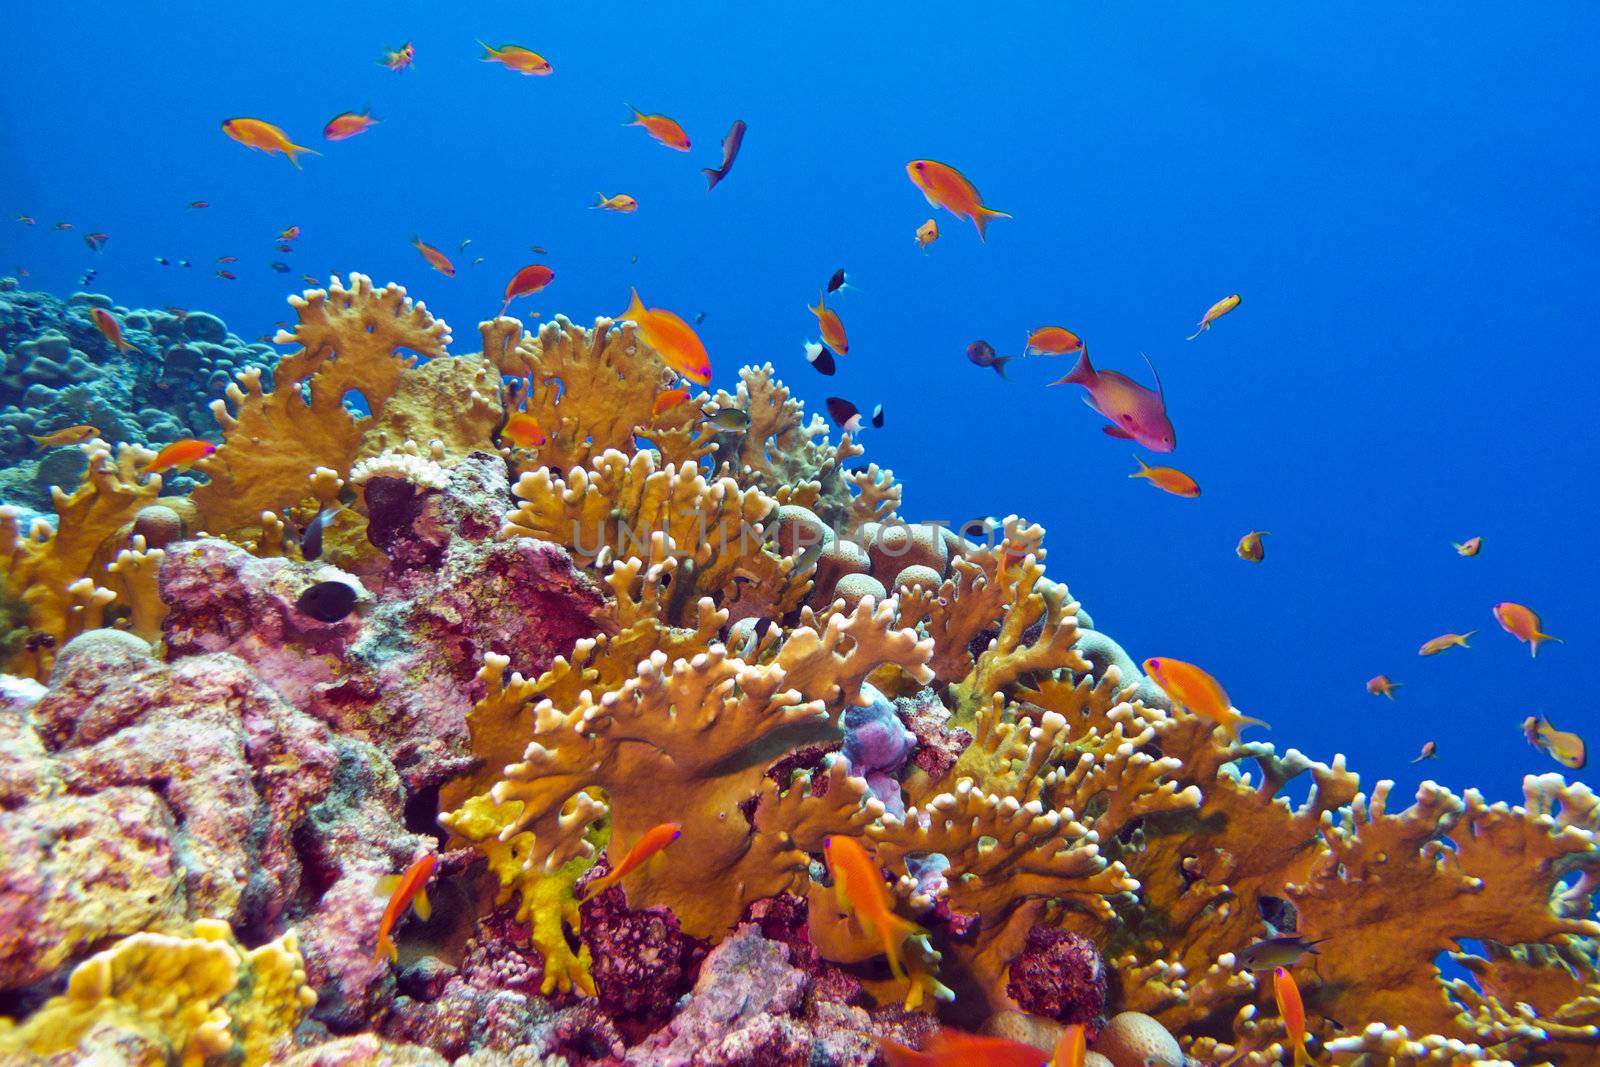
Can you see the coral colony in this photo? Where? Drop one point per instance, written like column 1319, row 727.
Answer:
column 375, row 675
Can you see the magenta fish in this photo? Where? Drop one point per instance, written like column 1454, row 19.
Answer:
column 1136, row 413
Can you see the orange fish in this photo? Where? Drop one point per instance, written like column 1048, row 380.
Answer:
column 523, row 430
column 1287, row 994
column 1190, row 687
column 1215, row 312
column 621, row 202
column 832, row 329
column 1169, row 479
column 859, row 890
column 946, row 187
column 1382, row 687
column 436, row 259
column 347, row 124
column 290, row 234
column 110, row 329
column 182, row 454
column 1469, row 547
column 1430, row 750
column 1071, row 1049
column 927, row 233
column 525, row 282
column 667, row 401
column 661, row 128
column 1434, row 646
column 400, row 58
column 405, row 891
column 265, row 137
column 654, row 840
column 1052, row 341
column 515, row 57
column 1522, row 623
column 953, row 1048
column 69, row 435
column 673, row 339
column 1250, row 548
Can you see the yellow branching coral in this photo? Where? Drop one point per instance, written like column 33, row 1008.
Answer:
column 453, row 402
column 55, row 570
column 181, row 999
column 352, row 340
column 1008, row 657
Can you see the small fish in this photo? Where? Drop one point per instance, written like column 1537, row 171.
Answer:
column 621, row 202
column 730, row 152
column 309, row 279
column 953, row 1048
column 1430, row 750
column 290, row 234
column 27, row 220
column 478, row 260
column 436, row 259
column 1213, row 313
column 844, row 413
column 1071, row 1049
column 68, row 435
column 1287, row 994
column 838, row 281
column 661, row 128
column 96, row 241
column 1192, row 688
column 1435, row 645
column 110, row 329
column 877, row 417
column 539, row 250
column 673, row 339
column 1135, row 413
column 832, row 329
column 859, row 889
column 265, row 137
column 182, row 454
column 728, row 420
column 654, row 840
column 227, row 259
column 807, row 559
column 1381, row 686
column 819, row 357
column 517, row 58
column 400, row 58
column 982, row 354
column 63, row 226
column 227, row 275
column 668, row 400
column 926, row 234
column 946, row 187
column 1168, row 479
column 281, row 268
column 196, row 205
column 1250, row 548
column 163, row 261
column 699, row 317
column 1523, row 623
column 1274, row 952
column 1469, row 547
column 1565, row 748
column 22, row 272
column 348, row 124
column 184, row 263
column 285, row 247
column 526, row 282
column 1052, row 341
column 405, row 891
column 311, row 536
column 462, row 247
column 522, row 430
column 327, row 601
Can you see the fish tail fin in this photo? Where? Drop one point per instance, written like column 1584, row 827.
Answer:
column 488, row 53
column 1000, row 364
column 385, row 947
column 293, row 151
column 638, row 115
column 713, row 176
column 1204, row 326
column 1538, row 638
column 1246, row 720
column 1144, row 468
column 601, row 202
column 1082, row 372
column 983, row 216
column 1463, row 639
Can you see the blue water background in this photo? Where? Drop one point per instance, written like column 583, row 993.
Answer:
column 1404, row 195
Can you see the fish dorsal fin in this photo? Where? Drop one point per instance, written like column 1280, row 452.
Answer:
column 1160, row 389
column 420, row 904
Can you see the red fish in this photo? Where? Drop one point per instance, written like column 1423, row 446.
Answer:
column 181, row 454
column 667, row 401
column 654, row 840
column 406, row 890
column 859, row 889
column 661, row 128
column 946, row 187
column 730, row 152
column 953, row 1048
column 347, row 124
column 436, row 259
column 526, row 282
column 110, row 329
column 1136, row 413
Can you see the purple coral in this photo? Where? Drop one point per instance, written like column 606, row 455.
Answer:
column 643, row 963
column 1059, row 975
column 876, row 744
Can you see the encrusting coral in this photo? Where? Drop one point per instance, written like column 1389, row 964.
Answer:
column 541, row 653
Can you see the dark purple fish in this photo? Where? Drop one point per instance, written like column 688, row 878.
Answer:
column 819, row 356
column 327, row 601
column 846, row 414
column 281, row 268
column 982, row 353
column 311, row 538
column 730, row 152
column 877, row 417
column 839, row 281
column 96, row 241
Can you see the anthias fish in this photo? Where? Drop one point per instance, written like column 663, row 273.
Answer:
column 517, row 58
column 1435, row 645
column 1380, row 685
column 1430, row 750
column 180, row 454
column 859, row 890
column 436, row 259
column 68, row 435
column 265, row 137
column 944, row 186
column 621, row 202
column 981, row 353
column 832, row 329
column 1469, row 547
column 730, row 152
column 400, row 58
column 953, row 1048
column 926, row 234
column 347, row 124
column 526, row 282
column 1567, row 749
column 110, row 329
column 1167, row 479
column 1293, row 1012
column 1190, row 687
column 661, row 128
column 1052, row 341
column 1522, row 622
column 673, row 339
column 654, row 840
column 405, row 891
column 1135, row 413
column 522, row 430
column 1213, row 313
column 1250, row 549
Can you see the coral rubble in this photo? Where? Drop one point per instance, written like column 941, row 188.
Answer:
column 543, row 652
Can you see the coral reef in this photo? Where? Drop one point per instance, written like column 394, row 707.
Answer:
column 542, row 653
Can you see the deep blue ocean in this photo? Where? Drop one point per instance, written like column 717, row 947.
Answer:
column 1404, row 196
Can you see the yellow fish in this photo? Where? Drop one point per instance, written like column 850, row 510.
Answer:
column 1169, row 479
column 1192, row 688
column 1565, row 748
column 621, row 202
column 1436, row 645
column 1213, row 313
column 69, row 435
column 1250, row 549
